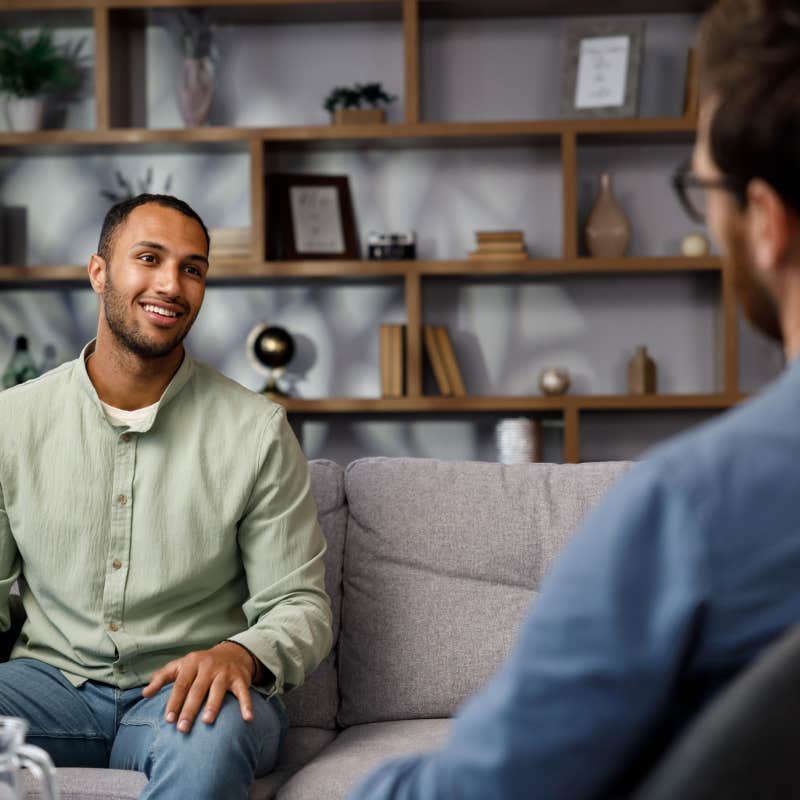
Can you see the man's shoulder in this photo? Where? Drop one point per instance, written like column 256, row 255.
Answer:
column 216, row 388
column 762, row 434
column 27, row 396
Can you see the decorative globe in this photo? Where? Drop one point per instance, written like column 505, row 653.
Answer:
column 270, row 349
column 554, row 381
column 273, row 347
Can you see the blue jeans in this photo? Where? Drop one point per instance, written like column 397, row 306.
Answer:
column 97, row 725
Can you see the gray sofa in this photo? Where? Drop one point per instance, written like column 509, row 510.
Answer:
column 431, row 566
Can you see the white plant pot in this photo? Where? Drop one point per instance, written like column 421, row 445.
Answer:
column 24, row 113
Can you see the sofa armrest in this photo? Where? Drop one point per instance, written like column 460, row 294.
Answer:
column 9, row 638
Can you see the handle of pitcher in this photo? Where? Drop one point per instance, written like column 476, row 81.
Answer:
column 38, row 762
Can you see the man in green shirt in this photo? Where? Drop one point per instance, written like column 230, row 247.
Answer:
column 159, row 520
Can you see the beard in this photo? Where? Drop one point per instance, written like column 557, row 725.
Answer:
column 754, row 298
column 128, row 334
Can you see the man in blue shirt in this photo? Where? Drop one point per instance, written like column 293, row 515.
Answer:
column 690, row 566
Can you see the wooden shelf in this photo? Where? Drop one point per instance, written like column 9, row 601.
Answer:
column 419, row 134
column 246, row 272
column 117, row 27
column 428, row 8
column 485, row 404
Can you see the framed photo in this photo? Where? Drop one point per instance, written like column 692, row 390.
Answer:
column 602, row 64
column 313, row 217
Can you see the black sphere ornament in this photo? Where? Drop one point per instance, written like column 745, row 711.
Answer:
column 270, row 349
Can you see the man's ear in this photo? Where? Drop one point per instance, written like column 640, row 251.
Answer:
column 770, row 226
column 97, row 273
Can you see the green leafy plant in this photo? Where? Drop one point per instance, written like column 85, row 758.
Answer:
column 33, row 65
column 371, row 94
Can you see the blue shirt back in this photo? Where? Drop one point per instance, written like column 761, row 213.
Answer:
column 681, row 576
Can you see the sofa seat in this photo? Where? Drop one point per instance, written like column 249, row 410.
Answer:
column 357, row 750
column 299, row 747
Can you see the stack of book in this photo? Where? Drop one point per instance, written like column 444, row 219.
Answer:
column 500, row 245
column 392, row 354
column 229, row 243
column 443, row 360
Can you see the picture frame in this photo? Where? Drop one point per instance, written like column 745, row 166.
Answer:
column 310, row 217
column 602, row 63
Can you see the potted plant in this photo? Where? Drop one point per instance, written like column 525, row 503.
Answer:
column 345, row 104
column 31, row 67
column 194, row 35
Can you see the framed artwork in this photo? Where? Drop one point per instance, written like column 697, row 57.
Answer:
column 602, row 64
column 314, row 216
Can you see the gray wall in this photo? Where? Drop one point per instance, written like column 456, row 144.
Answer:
column 504, row 332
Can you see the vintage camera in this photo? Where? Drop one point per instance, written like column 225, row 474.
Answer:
column 391, row 246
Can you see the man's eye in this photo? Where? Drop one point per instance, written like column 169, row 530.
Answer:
column 192, row 270
column 147, row 257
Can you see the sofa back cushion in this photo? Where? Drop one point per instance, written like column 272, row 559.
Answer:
column 314, row 704
column 441, row 562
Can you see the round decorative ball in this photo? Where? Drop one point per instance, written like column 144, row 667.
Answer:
column 554, row 380
column 694, row 245
column 272, row 347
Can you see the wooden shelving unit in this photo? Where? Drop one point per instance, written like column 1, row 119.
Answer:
column 115, row 129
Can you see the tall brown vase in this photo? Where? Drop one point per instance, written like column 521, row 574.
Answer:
column 608, row 232
column 641, row 373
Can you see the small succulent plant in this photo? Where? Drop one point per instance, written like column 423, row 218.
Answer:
column 371, row 94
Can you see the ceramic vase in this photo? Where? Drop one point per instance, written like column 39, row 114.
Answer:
column 641, row 373
column 24, row 114
column 608, row 232
column 195, row 91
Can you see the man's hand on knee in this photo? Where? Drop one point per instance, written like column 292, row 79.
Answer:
column 213, row 673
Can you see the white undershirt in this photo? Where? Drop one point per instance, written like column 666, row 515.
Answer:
column 118, row 416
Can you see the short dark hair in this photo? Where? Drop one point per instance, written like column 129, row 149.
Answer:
column 118, row 213
column 749, row 59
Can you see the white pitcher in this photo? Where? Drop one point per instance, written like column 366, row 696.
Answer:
column 14, row 753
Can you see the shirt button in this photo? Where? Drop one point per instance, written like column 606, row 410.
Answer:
column 121, row 668
column 126, row 437
column 122, row 499
column 116, row 563
column 113, row 626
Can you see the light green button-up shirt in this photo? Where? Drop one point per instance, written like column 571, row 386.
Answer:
column 137, row 545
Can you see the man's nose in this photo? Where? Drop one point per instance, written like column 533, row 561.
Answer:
column 168, row 279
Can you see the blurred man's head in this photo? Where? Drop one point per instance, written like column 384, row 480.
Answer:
column 749, row 143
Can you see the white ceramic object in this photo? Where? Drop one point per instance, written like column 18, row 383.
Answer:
column 24, row 114
column 694, row 245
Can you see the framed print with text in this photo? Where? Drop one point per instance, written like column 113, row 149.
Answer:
column 601, row 68
column 314, row 215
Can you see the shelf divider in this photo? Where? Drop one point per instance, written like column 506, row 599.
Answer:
column 569, row 174
column 412, row 64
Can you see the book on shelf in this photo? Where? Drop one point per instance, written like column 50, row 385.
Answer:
column 437, row 360
column 229, row 243
column 450, row 363
column 499, row 236
column 392, row 360
column 484, row 255
column 502, row 245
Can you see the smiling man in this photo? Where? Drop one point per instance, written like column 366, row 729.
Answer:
column 159, row 520
column 689, row 568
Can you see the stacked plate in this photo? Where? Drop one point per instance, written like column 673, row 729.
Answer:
column 514, row 438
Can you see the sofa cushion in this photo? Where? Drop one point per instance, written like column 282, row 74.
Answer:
column 91, row 784
column 356, row 751
column 315, row 703
column 441, row 563
column 298, row 748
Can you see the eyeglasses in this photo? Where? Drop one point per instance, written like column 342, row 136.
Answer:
column 692, row 191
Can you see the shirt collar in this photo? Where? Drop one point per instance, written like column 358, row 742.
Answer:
column 179, row 380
